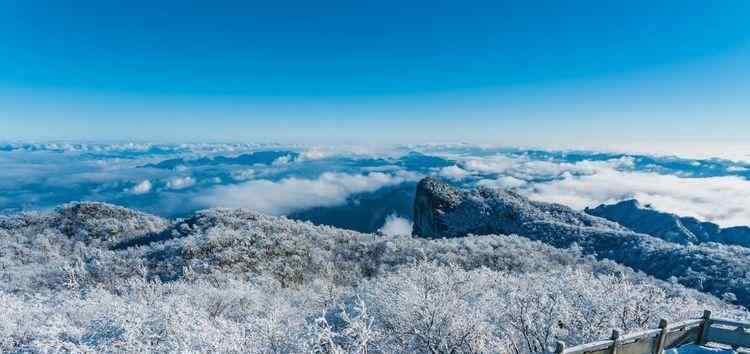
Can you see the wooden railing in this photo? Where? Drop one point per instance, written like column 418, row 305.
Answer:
column 715, row 332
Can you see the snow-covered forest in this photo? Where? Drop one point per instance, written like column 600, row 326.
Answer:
column 95, row 278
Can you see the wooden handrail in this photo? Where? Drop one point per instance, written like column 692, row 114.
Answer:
column 701, row 331
column 727, row 322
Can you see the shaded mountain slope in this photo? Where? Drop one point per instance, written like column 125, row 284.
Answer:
column 364, row 212
column 258, row 157
column 670, row 227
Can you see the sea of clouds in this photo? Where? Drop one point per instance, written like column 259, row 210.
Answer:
column 297, row 178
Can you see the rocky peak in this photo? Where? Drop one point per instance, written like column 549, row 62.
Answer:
column 433, row 199
column 441, row 210
column 440, row 194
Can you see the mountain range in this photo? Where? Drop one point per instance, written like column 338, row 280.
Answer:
column 670, row 227
column 95, row 277
column 441, row 211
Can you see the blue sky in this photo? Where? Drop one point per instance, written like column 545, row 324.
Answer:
column 514, row 72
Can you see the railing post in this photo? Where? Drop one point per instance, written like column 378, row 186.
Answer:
column 740, row 332
column 615, row 340
column 559, row 347
column 704, row 327
column 662, row 336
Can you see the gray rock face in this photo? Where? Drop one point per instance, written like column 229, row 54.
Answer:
column 433, row 200
column 670, row 227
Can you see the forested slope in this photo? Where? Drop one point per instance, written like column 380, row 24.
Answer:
column 235, row 281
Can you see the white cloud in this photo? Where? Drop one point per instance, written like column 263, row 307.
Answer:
column 689, row 149
column 351, row 151
column 738, row 151
column 316, row 153
column 291, row 194
column 454, row 172
column 243, row 175
column 494, row 164
column 281, row 161
column 141, row 188
column 180, row 182
column 587, row 183
column 525, row 168
column 395, row 225
column 503, row 182
column 723, row 200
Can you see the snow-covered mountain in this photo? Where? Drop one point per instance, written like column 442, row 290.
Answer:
column 441, row 210
column 670, row 227
column 94, row 277
column 91, row 223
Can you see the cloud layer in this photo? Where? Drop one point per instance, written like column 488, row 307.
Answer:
column 37, row 176
column 293, row 194
column 454, row 172
column 722, row 200
column 588, row 183
column 523, row 167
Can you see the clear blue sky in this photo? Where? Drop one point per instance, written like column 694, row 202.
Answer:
column 484, row 71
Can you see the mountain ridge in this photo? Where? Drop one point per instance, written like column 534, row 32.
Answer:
column 220, row 279
column 444, row 211
column 668, row 226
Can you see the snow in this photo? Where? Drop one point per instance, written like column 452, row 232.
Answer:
column 697, row 349
column 234, row 280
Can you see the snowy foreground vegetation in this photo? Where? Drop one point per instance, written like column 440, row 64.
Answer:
column 94, row 278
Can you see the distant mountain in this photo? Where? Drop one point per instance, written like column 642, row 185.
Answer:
column 418, row 161
column 670, row 227
column 412, row 161
column 258, row 157
column 364, row 212
column 441, row 210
